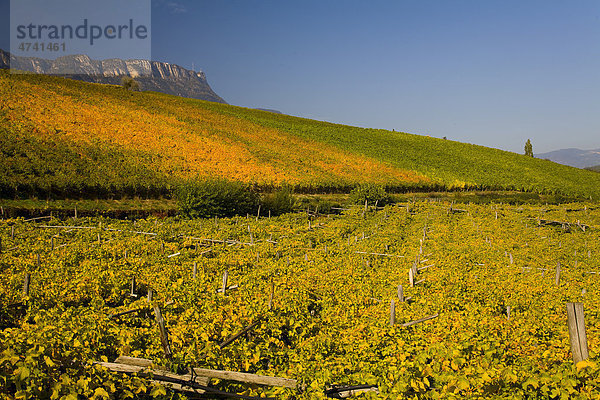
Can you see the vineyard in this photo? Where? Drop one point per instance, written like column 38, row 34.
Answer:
column 68, row 139
column 416, row 300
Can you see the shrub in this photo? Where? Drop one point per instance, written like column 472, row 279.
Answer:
column 215, row 198
column 129, row 83
column 279, row 202
column 370, row 193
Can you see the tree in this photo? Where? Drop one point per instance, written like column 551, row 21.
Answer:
column 129, row 83
column 528, row 148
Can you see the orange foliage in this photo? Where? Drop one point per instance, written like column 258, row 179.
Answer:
column 186, row 139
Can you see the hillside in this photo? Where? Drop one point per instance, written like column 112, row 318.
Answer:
column 595, row 168
column 70, row 138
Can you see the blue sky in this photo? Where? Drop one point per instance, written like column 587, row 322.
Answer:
column 487, row 72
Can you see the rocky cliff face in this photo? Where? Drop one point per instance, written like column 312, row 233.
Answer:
column 151, row 75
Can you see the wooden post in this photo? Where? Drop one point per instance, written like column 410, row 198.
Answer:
column 99, row 237
column 224, row 287
column 577, row 335
column 26, row 283
column 400, row 293
column 12, row 232
column 233, row 338
column 132, row 292
column 162, row 247
column 271, row 294
column 507, row 312
column 511, row 258
column 258, row 213
column 195, row 269
column 75, row 212
column 150, row 295
column 557, row 275
column 411, row 278
column 392, row 313
column 164, row 338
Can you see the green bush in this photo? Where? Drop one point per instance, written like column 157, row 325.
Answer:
column 279, row 202
column 215, row 198
column 129, row 83
column 371, row 194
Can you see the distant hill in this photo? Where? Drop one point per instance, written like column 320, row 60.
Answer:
column 595, row 168
column 573, row 157
column 270, row 110
column 151, row 75
column 61, row 137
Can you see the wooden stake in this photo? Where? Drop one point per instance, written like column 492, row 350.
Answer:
column 164, row 338
column 224, row 286
column 511, row 258
column 150, row 294
column 577, row 335
column 132, row 292
column 418, row 321
column 232, row 338
column 195, row 269
column 271, row 294
column 12, row 232
column 26, row 283
column 400, row 293
column 557, row 276
column 507, row 312
column 392, row 313
column 411, row 278
column 258, row 213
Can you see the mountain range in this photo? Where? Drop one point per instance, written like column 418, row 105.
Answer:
column 151, row 75
column 573, row 157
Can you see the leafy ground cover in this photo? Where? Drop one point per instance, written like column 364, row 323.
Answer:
column 329, row 321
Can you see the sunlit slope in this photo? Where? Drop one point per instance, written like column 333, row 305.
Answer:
column 70, row 137
column 452, row 164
